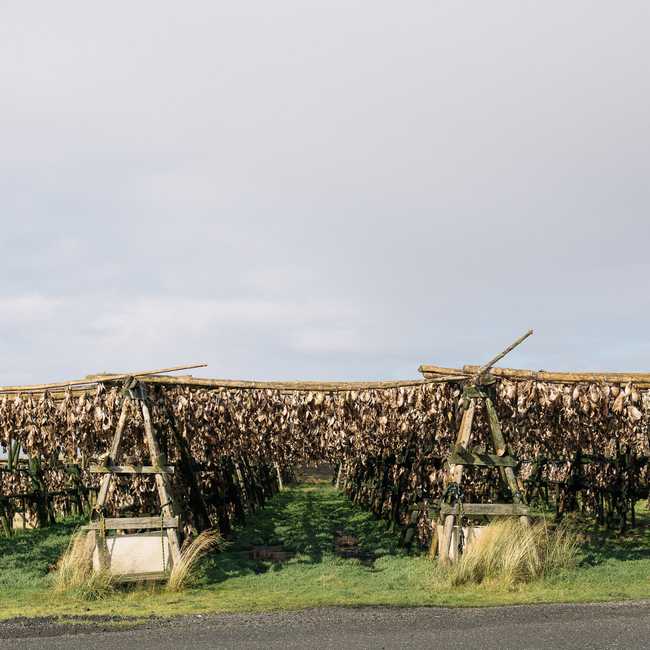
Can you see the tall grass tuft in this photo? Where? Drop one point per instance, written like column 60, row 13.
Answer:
column 183, row 573
column 75, row 575
column 511, row 553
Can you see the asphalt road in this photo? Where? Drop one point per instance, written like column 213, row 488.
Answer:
column 618, row 625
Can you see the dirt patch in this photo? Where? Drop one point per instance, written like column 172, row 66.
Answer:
column 315, row 473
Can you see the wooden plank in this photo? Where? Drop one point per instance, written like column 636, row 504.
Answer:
column 475, row 509
column 134, row 523
column 460, row 456
column 131, row 469
column 158, row 576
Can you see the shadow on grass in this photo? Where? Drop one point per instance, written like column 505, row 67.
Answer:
column 303, row 520
column 601, row 545
column 34, row 552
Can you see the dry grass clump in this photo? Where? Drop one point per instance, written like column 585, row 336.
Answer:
column 75, row 575
column 184, row 571
column 510, row 553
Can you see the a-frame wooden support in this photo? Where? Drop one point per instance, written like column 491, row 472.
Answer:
column 461, row 456
column 167, row 523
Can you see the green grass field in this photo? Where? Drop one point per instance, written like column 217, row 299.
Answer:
column 304, row 519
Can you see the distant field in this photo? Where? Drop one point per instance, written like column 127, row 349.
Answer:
column 303, row 520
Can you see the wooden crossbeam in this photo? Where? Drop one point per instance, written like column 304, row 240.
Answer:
column 134, row 523
column 131, row 469
column 461, row 456
column 476, row 509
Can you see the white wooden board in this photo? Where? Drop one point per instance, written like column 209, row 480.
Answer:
column 133, row 554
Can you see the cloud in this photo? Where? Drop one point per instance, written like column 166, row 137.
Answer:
column 322, row 189
column 27, row 309
column 163, row 320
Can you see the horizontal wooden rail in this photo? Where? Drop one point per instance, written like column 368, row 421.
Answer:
column 460, row 456
column 316, row 386
column 89, row 382
column 130, row 469
column 476, row 509
column 637, row 378
column 133, row 523
column 77, row 388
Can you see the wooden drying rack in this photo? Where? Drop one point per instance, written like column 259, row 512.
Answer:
column 452, row 508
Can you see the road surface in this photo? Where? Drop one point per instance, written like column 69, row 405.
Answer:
column 612, row 625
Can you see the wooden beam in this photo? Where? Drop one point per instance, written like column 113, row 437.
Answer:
column 131, row 469
column 77, row 388
column 134, row 523
column 89, row 382
column 460, row 456
column 316, row 386
column 566, row 377
column 475, row 509
column 639, row 379
column 495, row 428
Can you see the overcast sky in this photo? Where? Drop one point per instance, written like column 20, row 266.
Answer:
column 301, row 189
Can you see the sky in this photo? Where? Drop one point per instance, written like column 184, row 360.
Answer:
column 322, row 190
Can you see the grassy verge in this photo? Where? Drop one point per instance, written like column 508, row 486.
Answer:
column 304, row 520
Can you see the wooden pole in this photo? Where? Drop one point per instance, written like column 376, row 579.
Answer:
column 90, row 382
column 279, row 475
column 456, row 475
column 498, row 357
column 639, row 379
column 162, row 482
column 338, row 476
column 507, row 472
column 96, row 539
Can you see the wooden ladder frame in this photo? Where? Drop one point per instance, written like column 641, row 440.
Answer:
column 168, row 521
column 460, row 456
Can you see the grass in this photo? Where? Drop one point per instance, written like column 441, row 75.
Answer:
column 184, row 572
column 508, row 553
column 74, row 574
column 304, row 520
